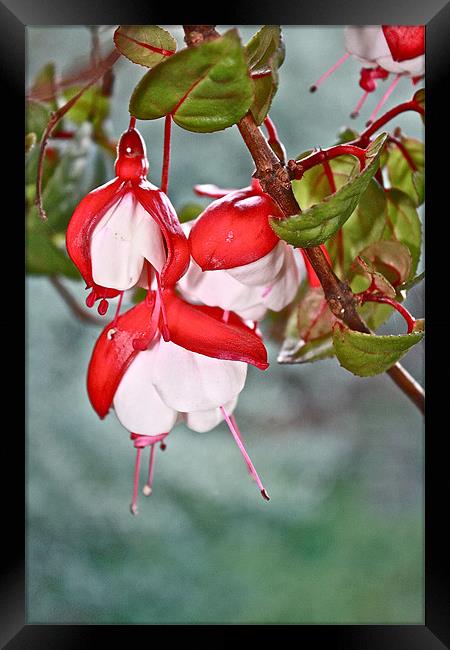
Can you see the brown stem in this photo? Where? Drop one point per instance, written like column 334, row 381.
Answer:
column 73, row 305
column 54, row 119
column 275, row 181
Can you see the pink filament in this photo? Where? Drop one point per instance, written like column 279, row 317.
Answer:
column 266, row 291
column 137, row 466
column 226, row 315
column 383, row 100
column 151, row 468
column 240, row 444
column 330, row 71
column 360, row 104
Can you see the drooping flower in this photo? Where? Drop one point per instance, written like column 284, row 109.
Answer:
column 152, row 384
column 125, row 225
column 384, row 50
column 239, row 262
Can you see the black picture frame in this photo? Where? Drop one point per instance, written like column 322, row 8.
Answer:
column 15, row 16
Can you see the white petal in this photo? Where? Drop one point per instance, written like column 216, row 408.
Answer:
column 255, row 313
column 284, row 289
column 188, row 381
column 262, row 271
column 413, row 67
column 120, row 241
column 137, row 404
column 367, row 43
column 217, row 289
column 202, row 421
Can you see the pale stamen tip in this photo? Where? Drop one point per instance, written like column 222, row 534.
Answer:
column 265, row 495
column 134, row 509
column 147, row 490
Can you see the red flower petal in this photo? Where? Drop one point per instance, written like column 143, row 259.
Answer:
column 405, row 42
column 113, row 353
column 234, row 230
column 81, row 226
column 160, row 208
column 201, row 329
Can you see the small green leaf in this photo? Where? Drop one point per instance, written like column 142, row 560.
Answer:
column 390, row 258
column 37, row 117
column 189, row 211
column 205, row 88
column 408, row 175
column 376, row 280
column 419, row 97
column 365, row 226
column 92, row 106
column 403, row 223
column 43, row 257
column 366, row 355
column 146, row 45
column 320, row 222
column 44, row 86
column 265, row 53
column 314, row 185
column 346, row 135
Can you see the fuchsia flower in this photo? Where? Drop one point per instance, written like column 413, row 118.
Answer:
column 384, row 50
column 125, row 225
column 246, row 267
column 153, row 383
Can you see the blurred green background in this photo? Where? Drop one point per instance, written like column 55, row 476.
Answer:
column 341, row 540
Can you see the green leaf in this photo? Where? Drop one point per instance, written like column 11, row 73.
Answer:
column 265, row 54
column 30, row 141
column 189, row 211
column 365, row 226
column 403, row 224
column 44, row 85
column 390, row 258
column 419, row 97
column 37, row 117
column 205, row 88
column 366, row 355
column 376, row 280
column 406, row 286
column 347, row 135
column 314, row 185
column 146, row 45
column 404, row 177
column 43, row 257
column 92, row 106
column 320, row 222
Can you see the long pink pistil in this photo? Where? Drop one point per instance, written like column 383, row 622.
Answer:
column 137, row 467
column 240, row 444
column 383, row 100
column 330, row 71
column 354, row 114
column 148, row 487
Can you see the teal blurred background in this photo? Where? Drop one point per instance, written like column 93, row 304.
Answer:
column 341, row 540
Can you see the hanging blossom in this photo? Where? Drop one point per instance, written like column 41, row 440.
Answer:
column 152, row 383
column 384, row 50
column 239, row 263
column 123, row 225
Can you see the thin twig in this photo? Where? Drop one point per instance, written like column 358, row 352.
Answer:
column 275, row 181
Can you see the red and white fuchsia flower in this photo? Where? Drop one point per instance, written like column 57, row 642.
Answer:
column 239, row 262
column 152, row 383
column 384, row 50
column 126, row 228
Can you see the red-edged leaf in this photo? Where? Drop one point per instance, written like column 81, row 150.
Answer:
column 234, row 230
column 200, row 329
column 81, row 226
column 405, row 42
column 160, row 208
column 113, row 353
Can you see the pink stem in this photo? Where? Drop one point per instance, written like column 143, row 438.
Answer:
column 330, row 71
column 243, row 451
column 383, row 100
column 137, row 467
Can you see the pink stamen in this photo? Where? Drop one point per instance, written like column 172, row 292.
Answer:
column 244, row 453
column 226, row 315
column 326, row 74
column 165, row 328
column 354, row 114
column 148, row 489
column 383, row 100
column 137, row 466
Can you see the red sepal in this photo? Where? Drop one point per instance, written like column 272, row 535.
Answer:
column 113, row 353
column 81, row 226
column 160, row 208
column 234, row 231
column 405, row 42
column 201, row 329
